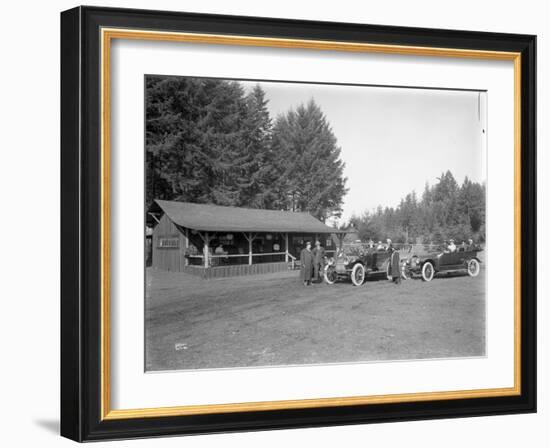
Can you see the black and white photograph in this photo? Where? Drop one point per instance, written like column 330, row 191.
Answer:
column 293, row 223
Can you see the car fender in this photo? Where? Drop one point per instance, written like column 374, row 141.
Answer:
column 351, row 265
column 432, row 261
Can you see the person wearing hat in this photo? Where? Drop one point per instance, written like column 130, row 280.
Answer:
column 306, row 263
column 389, row 245
column 318, row 261
column 395, row 266
column 451, row 247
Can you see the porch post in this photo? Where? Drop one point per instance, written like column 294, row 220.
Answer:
column 250, row 248
column 206, row 251
column 286, row 247
column 186, row 246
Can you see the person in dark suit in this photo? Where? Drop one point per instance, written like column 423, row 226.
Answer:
column 318, row 261
column 306, row 263
column 395, row 268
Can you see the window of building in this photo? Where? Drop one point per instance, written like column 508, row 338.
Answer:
column 169, row 243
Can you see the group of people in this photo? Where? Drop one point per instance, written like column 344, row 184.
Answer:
column 451, row 247
column 312, row 262
column 380, row 246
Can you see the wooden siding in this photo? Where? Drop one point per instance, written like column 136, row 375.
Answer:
column 173, row 258
column 168, row 258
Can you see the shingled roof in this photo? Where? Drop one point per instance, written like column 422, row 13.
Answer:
column 217, row 218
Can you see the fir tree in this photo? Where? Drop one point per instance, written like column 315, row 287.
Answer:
column 307, row 159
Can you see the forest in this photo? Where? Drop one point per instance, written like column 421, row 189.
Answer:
column 446, row 210
column 214, row 141
column 210, row 141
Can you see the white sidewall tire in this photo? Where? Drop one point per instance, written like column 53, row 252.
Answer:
column 404, row 270
column 356, row 268
column 473, row 261
column 425, row 277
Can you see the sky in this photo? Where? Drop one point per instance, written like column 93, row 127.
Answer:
column 394, row 140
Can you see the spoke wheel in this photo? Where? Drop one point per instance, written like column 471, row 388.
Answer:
column 473, row 268
column 330, row 275
column 404, row 271
column 388, row 271
column 358, row 274
column 428, row 271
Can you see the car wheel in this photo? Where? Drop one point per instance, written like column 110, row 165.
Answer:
column 473, row 267
column 388, row 272
column 404, row 271
column 358, row 274
column 330, row 275
column 428, row 271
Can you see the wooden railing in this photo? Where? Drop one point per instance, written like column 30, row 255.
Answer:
column 248, row 256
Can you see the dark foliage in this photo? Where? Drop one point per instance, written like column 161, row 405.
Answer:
column 446, row 210
column 209, row 142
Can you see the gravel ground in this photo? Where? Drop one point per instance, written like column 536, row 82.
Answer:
column 272, row 319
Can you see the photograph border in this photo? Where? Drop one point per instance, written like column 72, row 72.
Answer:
column 86, row 37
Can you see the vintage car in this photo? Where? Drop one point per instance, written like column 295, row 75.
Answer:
column 443, row 261
column 357, row 263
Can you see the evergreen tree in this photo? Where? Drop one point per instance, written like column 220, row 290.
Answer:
column 445, row 211
column 256, row 171
column 194, row 138
column 307, row 160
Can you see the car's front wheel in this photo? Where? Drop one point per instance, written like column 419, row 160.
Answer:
column 388, row 271
column 473, row 268
column 358, row 274
column 428, row 271
column 405, row 274
column 330, row 275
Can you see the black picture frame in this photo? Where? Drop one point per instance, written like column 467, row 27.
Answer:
column 81, row 224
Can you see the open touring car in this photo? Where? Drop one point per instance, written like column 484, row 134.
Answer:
column 358, row 262
column 443, row 261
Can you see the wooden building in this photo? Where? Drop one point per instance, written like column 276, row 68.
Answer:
column 218, row 241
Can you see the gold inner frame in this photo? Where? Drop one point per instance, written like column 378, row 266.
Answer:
column 107, row 35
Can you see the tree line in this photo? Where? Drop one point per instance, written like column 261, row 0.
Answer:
column 446, row 210
column 210, row 141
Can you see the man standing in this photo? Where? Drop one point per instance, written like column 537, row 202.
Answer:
column 395, row 268
column 306, row 263
column 318, row 261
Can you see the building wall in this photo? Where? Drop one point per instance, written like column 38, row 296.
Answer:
column 168, row 246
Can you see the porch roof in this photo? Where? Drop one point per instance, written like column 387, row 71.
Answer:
column 217, row 218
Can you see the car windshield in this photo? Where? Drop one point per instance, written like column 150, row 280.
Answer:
column 354, row 249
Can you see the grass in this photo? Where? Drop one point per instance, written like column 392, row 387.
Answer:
column 272, row 319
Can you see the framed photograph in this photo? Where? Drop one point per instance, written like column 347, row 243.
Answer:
column 273, row 223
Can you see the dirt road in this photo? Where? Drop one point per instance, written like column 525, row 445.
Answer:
column 273, row 319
